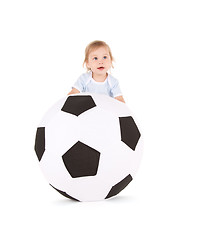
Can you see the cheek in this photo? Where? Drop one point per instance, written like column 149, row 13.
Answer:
column 110, row 63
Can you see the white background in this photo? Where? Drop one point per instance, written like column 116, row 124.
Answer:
column 161, row 52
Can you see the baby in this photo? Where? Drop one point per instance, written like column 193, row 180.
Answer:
column 98, row 60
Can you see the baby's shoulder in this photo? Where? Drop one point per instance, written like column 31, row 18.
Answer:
column 112, row 80
column 85, row 75
column 84, row 78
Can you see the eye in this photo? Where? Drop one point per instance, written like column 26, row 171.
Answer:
column 105, row 57
column 95, row 58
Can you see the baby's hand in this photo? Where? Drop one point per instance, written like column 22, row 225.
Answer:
column 73, row 91
column 120, row 98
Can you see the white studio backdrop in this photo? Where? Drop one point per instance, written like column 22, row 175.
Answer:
column 161, row 53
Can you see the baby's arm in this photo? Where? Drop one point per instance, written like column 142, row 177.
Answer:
column 120, row 98
column 73, row 91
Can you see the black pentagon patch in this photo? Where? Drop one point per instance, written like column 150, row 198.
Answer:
column 78, row 104
column 64, row 194
column 81, row 160
column 40, row 142
column 119, row 186
column 129, row 132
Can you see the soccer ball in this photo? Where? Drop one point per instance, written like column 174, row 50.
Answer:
column 88, row 146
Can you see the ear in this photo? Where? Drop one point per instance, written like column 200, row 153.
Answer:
column 87, row 64
column 112, row 64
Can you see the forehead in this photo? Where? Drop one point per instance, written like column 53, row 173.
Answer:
column 99, row 51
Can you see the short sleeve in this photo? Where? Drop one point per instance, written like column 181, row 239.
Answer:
column 80, row 84
column 115, row 89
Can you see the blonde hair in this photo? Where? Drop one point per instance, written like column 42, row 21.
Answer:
column 93, row 46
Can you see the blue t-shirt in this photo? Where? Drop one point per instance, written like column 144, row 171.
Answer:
column 85, row 83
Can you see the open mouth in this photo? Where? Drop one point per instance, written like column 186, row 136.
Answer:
column 100, row 68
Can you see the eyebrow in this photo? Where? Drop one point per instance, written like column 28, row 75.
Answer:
column 103, row 55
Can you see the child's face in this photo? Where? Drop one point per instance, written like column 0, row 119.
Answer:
column 99, row 61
